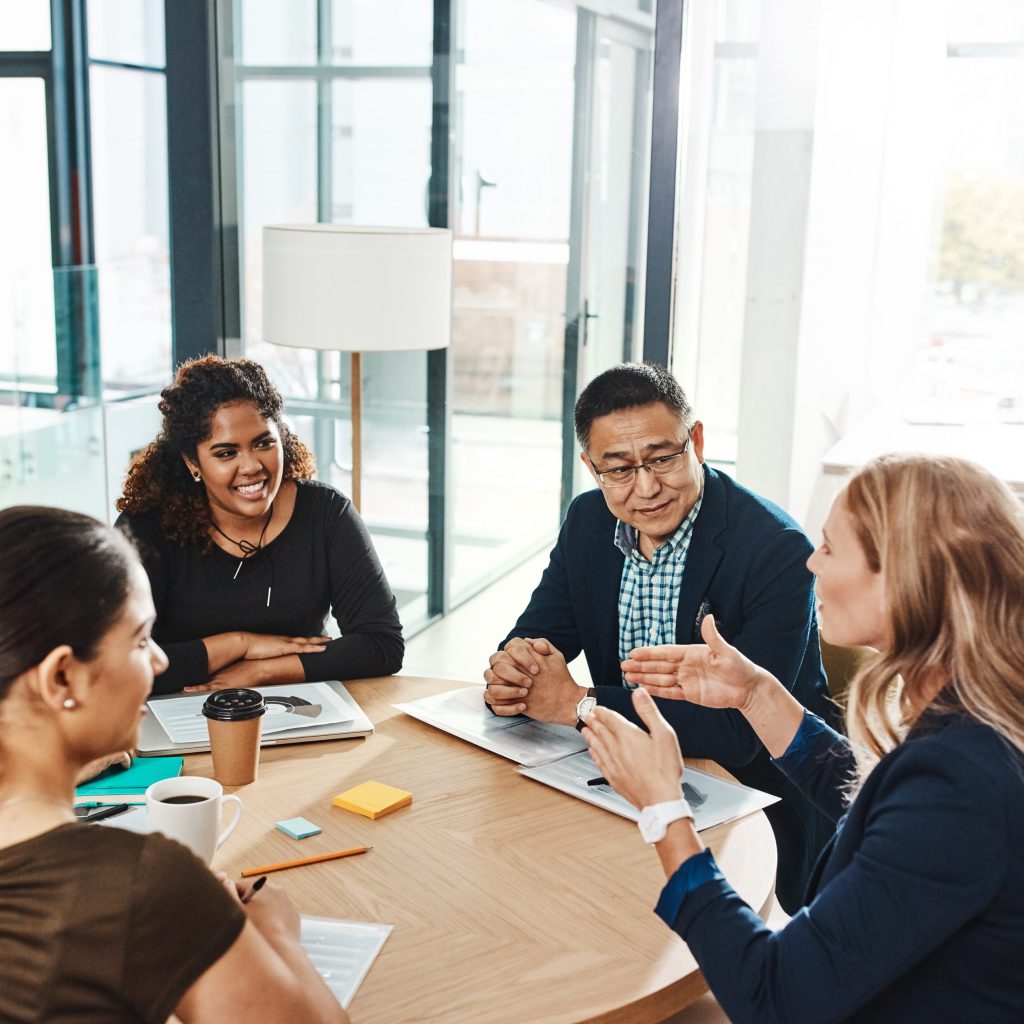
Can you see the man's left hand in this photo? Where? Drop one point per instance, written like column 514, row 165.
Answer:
column 553, row 693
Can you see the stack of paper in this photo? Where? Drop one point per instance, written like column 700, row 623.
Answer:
column 557, row 756
column 713, row 800
column 342, row 952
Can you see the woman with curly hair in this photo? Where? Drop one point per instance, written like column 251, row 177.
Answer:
column 916, row 908
column 246, row 553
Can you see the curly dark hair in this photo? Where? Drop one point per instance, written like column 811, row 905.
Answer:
column 158, row 477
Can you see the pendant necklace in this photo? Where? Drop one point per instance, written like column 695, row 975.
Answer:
column 247, row 548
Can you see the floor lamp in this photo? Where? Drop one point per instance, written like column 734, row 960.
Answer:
column 357, row 289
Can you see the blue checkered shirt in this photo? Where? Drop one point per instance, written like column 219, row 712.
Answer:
column 649, row 591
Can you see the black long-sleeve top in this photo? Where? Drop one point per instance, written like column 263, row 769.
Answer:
column 322, row 561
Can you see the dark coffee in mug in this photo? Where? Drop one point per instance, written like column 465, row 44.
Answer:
column 185, row 799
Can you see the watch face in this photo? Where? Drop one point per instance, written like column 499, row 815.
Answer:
column 585, row 706
column 652, row 828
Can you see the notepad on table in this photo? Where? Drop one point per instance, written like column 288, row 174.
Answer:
column 136, row 779
column 342, row 952
column 373, row 799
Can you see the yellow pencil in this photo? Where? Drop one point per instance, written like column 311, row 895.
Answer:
column 267, row 868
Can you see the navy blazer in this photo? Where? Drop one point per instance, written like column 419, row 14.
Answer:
column 918, row 908
column 747, row 565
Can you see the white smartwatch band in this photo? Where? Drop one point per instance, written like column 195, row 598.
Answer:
column 655, row 819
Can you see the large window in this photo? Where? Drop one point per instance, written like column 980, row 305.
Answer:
column 849, row 237
column 515, row 92
column 333, row 111
column 84, row 303
column 128, row 133
column 721, row 100
column 333, row 124
column 970, row 360
column 26, row 281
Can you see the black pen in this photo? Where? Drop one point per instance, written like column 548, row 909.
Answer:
column 105, row 812
column 256, row 886
column 599, row 781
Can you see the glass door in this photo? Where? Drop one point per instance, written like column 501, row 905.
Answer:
column 611, row 146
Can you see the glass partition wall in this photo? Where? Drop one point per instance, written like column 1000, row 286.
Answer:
column 524, row 125
column 534, row 118
column 84, row 267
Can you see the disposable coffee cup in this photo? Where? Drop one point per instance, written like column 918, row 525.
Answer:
column 235, row 721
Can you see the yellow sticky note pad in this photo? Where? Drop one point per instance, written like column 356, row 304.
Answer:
column 372, row 799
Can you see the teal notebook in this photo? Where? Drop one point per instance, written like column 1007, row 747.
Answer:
column 137, row 779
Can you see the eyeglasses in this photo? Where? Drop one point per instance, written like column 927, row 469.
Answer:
column 624, row 476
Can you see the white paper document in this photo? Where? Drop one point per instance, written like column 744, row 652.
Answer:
column 136, row 819
column 714, row 800
column 463, row 714
column 342, row 952
column 291, row 706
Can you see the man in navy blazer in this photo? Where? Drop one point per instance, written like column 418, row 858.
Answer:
column 662, row 542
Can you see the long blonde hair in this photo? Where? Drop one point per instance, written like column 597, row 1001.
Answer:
column 948, row 538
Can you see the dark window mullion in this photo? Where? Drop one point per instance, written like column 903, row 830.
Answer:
column 323, row 426
column 439, row 365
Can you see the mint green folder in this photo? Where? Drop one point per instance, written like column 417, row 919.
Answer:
column 137, row 779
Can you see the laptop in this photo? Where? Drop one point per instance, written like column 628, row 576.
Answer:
column 296, row 713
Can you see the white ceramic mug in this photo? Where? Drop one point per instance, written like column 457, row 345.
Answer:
column 196, row 822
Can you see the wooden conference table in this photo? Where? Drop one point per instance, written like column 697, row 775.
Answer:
column 510, row 901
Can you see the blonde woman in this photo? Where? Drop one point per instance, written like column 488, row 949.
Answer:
column 916, row 909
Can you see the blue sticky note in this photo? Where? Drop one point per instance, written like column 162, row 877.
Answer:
column 299, row 828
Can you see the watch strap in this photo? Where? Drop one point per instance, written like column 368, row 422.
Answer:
column 664, row 815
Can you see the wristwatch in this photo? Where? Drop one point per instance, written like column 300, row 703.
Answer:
column 584, row 707
column 655, row 819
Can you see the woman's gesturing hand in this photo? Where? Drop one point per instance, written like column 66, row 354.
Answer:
column 644, row 767
column 713, row 674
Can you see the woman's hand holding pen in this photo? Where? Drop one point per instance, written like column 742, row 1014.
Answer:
column 267, row 906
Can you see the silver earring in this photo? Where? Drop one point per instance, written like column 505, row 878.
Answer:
column 70, row 703
column 196, row 476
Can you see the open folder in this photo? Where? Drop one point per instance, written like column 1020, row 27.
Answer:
column 296, row 713
column 462, row 713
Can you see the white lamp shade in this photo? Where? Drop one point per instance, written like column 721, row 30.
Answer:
column 357, row 289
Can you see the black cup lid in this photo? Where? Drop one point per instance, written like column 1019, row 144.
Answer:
column 234, row 705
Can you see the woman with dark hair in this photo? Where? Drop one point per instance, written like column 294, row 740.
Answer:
column 916, row 908
column 102, row 923
column 245, row 552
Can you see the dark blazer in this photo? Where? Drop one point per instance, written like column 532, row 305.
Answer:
column 917, row 912
column 746, row 564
